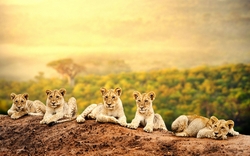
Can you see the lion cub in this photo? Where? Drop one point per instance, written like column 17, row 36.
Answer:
column 218, row 129
column 145, row 113
column 202, row 127
column 57, row 108
column 22, row 106
column 110, row 111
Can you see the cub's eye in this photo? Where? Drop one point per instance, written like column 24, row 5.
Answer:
column 16, row 101
column 139, row 100
column 215, row 125
column 113, row 97
column 222, row 127
column 50, row 96
column 22, row 101
column 146, row 101
column 57, row 97
column 106, row 97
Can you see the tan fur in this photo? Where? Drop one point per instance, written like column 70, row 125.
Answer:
column 57, row 110
column 218, row 129
column 22, row 106
column 202, row 127
column 110, row 111
column 145, row 115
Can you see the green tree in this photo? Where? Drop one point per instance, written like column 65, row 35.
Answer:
column 68, row 68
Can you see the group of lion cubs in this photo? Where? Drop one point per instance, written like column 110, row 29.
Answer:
column 57, row 110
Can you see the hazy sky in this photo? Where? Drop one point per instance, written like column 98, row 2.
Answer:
column 34, row 32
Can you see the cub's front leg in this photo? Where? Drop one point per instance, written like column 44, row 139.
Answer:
column 86, row 112
column 105, row 118
column 17, row 115
column 52, row 115
column 11, row 111
column 233, row 132
column 123, row 121
column 135, row 122
column 80, row 119
column 72, row 109
column 149, row 124
column 54, row 118
column 206, row 133
column 46, row 117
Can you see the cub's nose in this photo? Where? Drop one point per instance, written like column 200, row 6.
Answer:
column 216, row 133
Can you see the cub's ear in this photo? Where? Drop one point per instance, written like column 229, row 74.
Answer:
column 103, row 90
column 213, row 119
column 48, row 92
column 136, row 94
column 62, row 91
column 12, row 96
column 230, row 124
column 151, row 95
column 26, row 96
column 118, row 91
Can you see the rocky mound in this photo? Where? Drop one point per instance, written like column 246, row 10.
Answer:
column 26, row 136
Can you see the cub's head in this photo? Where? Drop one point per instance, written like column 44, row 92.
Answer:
column 111, row 97
column 55, row 98
column 220, row 127
column 19, row 101
column 144, row 101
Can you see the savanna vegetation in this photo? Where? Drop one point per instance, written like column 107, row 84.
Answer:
column 223, row 91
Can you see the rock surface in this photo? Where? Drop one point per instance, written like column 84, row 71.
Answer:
column 26, row 136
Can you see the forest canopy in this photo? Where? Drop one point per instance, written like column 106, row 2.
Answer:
column 223, row 91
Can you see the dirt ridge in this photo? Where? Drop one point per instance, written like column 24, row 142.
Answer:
column 26, row 136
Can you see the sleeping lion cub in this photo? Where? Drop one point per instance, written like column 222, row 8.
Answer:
column 22, row 106
column 145, row 113
column 57, row 110
column 202, row 127
column 110, row 111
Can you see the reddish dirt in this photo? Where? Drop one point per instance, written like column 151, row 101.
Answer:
column 26, row 136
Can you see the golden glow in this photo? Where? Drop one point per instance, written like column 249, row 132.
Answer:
column 54, row 29
column 20, row 2
column 93, row 26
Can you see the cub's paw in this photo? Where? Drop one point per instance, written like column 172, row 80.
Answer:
column 212, row 136
column 181, row 134
column 132, row 126
column 122, row 123
column 113, row 119
column 14, row 116
column 80, row 119
column 224, row 137
column 43, row 122
column 234, row 133
column 148, row 129
column 164, row 130
column 91, row 116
